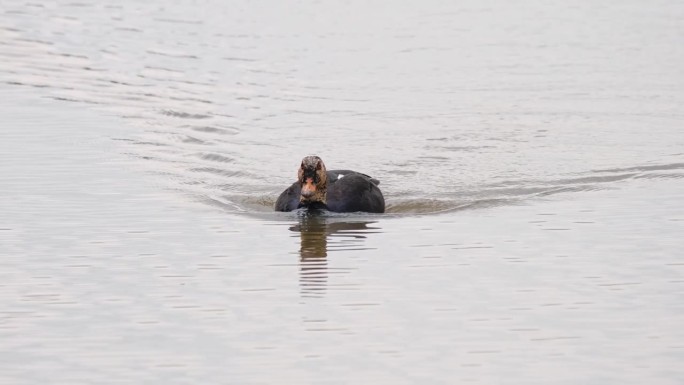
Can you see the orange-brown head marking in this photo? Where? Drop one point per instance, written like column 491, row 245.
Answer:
column 312, row 179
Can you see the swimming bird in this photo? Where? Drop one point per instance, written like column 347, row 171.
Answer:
column 340, row 191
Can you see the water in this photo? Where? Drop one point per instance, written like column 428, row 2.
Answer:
column 530, row 153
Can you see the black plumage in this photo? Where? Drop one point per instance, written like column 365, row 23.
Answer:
column 335, row 190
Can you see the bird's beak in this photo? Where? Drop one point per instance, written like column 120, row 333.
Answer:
column 308, row 188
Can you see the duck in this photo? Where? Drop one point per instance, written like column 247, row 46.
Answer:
column 341, row 191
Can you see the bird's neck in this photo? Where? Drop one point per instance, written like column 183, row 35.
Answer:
column 315, row 201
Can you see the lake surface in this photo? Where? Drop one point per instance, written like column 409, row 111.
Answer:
column 531, row 155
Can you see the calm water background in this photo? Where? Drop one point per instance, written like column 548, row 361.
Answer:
column 531, row 154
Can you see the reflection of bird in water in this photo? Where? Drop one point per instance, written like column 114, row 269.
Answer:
column 313, row 251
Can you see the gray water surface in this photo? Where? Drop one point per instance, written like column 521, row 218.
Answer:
column 531, row 155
